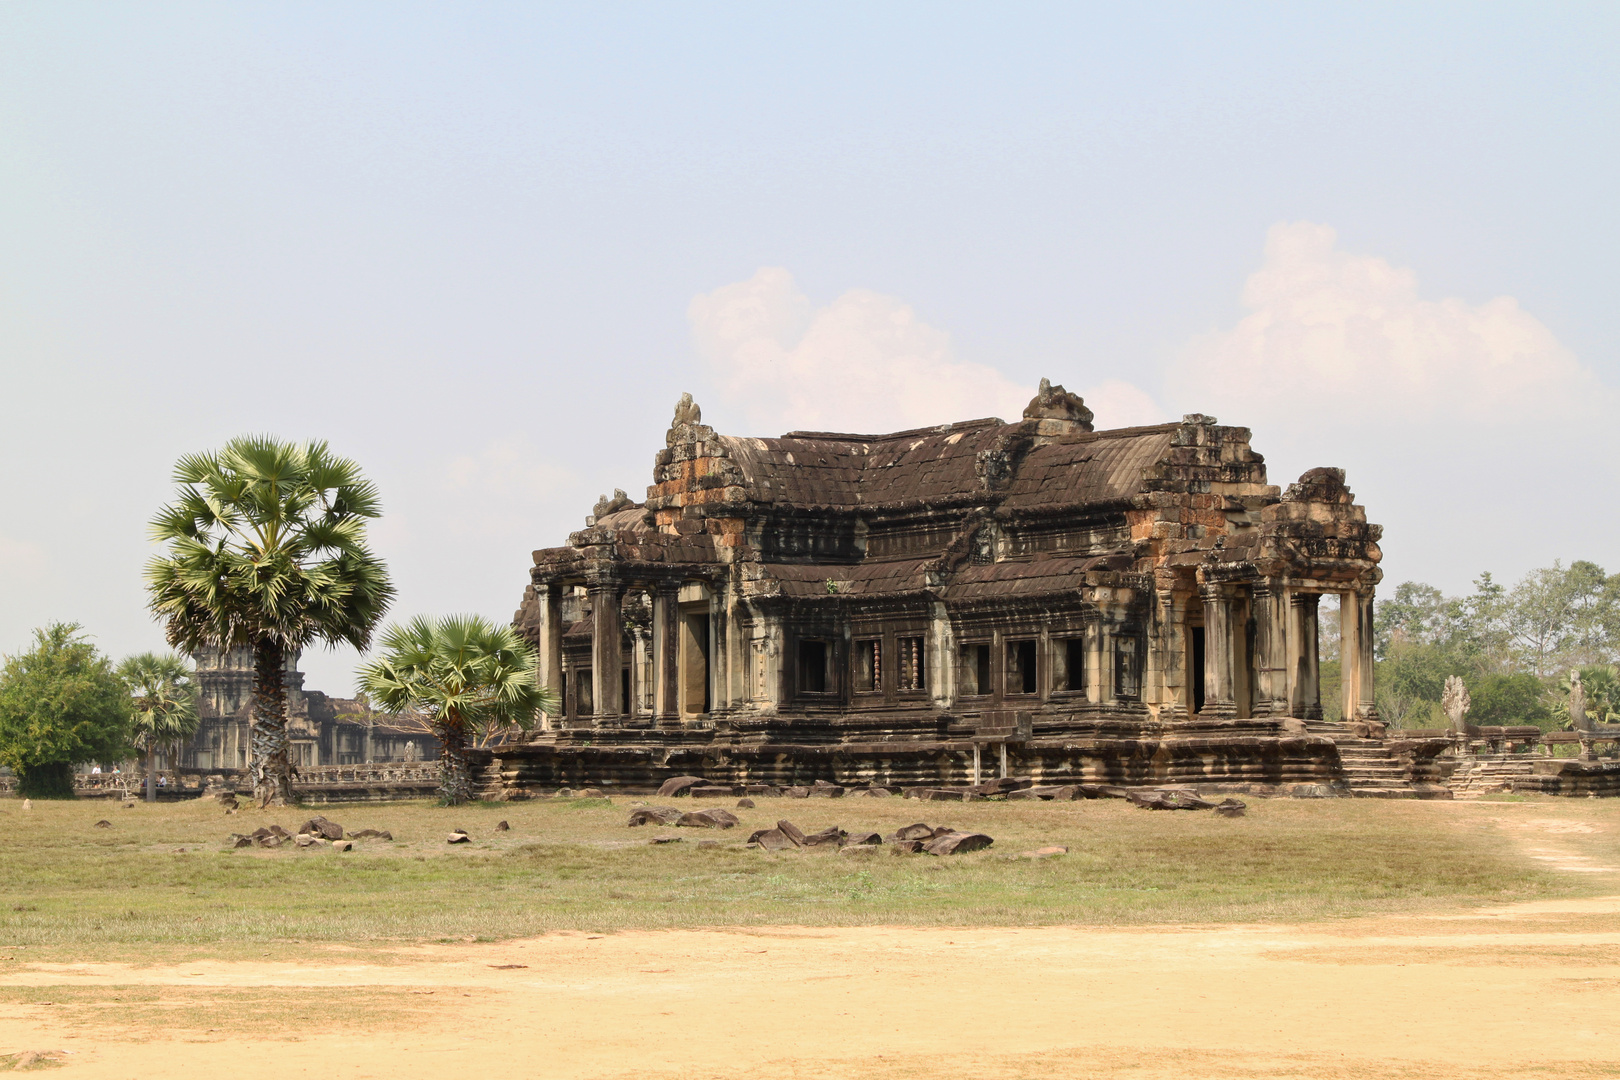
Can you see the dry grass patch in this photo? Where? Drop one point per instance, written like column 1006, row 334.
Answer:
column 161, row 881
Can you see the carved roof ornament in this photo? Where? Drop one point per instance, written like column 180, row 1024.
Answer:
column 688, row 411
column 1056, row 403
column 1454, row 700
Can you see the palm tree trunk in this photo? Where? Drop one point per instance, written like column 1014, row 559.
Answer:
column 272, row 769
column 455, row 771
column 151, row 774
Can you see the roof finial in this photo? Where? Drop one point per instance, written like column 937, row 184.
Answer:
column 1056, row 403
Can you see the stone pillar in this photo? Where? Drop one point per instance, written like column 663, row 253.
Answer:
column 1096, row 660
column 939, row 663
column 1271, row 696
column 607, row 650
column 550, row 662
column 1307, row 691
column 666, row 652
column 1356, row 656
column 1164, row 678
column 1218, row 682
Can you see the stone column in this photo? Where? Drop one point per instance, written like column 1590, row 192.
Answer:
column 1271, row 696
column 1096, row 660
column 1218, row 682
column 1356, row 656
column 550, row 674
column 666, row 652
column 607, row 650
column 1307, row 690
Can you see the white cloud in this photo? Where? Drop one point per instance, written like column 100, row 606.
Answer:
column 1332, row 336
column 863, row 363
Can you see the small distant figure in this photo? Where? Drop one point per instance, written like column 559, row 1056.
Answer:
column 28, row 804
column 96, row 771
column 163, row 781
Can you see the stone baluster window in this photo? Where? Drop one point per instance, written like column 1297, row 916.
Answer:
column 868, row 666
column 912, row 676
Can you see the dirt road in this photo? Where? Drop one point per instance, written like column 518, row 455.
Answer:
column 1493, row 993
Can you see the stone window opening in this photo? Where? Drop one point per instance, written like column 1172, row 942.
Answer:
column 1069, row 665
column 912, row 675
column 584, row 695
column 812, row 666
column 868, row 666
column 1021, row 667
column 974, row 664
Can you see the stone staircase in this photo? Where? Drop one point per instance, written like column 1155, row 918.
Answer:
column 1370, row 770
column 1487, row 775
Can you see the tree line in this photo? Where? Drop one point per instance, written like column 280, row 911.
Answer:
column 1514, row 647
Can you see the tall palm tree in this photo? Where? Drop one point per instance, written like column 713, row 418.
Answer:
column 267, row 550
column 165, row 701
column 468, row 677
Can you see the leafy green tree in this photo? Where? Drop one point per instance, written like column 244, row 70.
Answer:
column 267, row 550
column 468, row 677
column 60, row 704
column 1503, row 699
column 165, row 701
column 1601, row 682
column 1561, row 616
column 1410, row 680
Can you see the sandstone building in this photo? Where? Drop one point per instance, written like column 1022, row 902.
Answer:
column 1137, row 604
column 321, row 730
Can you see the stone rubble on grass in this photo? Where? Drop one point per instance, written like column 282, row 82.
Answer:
column 319, row 826
column 655, row 815
column 665, row 839
column 103, row 824
column 708, row 819
column 745, row 804
column 678, row 785
column 371, row 834
column 502, row 826
column 343, row 845
column 459, row 836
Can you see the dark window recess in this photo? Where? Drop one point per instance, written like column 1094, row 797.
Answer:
column 624, row 692
column 1195, row 677
column 868, row 666
column 813, row 667
column 1074, row 664
column 1020, row 667
column 583, row 692
column 912, row 675
column 1128, row 669
column 975, row 669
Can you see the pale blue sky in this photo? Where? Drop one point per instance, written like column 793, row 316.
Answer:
column 463, row 243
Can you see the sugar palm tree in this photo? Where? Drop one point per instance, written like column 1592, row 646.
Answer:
column 165, row 702
column 467, row 677
column 267, row 551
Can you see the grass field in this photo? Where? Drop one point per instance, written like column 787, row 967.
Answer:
column 161, row 880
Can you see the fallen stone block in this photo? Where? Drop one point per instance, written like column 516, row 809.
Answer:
column 745, row 804
column 958, row 843
column 946, row 795
column 907, row 847
column 1001, row 785
column 458, row 837
column 918, row 831
column 305, row 840
column 227, row 799
column 773, row 840
column 343, row 845
column 796, row 792
column 823, row 790
column 665, row 840
column 270, row 841
column 655, row 815
column 319, row 826
column 834, row 835
column 590, row 793
column 371, row 834
column 871, row 793
column 679, row 785
column 711, row 791
column 502, row 826
column 766, row 790
column 1312, row 791
column 792, row 832
column 237, row 840
column 103, row 824
column 708, row 819
column 1231, row 808
column 858, row 839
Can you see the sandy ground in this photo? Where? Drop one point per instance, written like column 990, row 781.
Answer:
column 1499, row 992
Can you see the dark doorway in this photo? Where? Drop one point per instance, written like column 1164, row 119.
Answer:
column 1195, row 677
column 812, row 667
column 624, row 693
column 1075, row 667
column 1020, row 667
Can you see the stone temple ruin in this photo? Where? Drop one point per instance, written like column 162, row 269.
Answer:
column 945, row 605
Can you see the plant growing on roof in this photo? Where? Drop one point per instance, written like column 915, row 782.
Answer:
column 267, row 550
column 165, row 701
column 469, row 678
